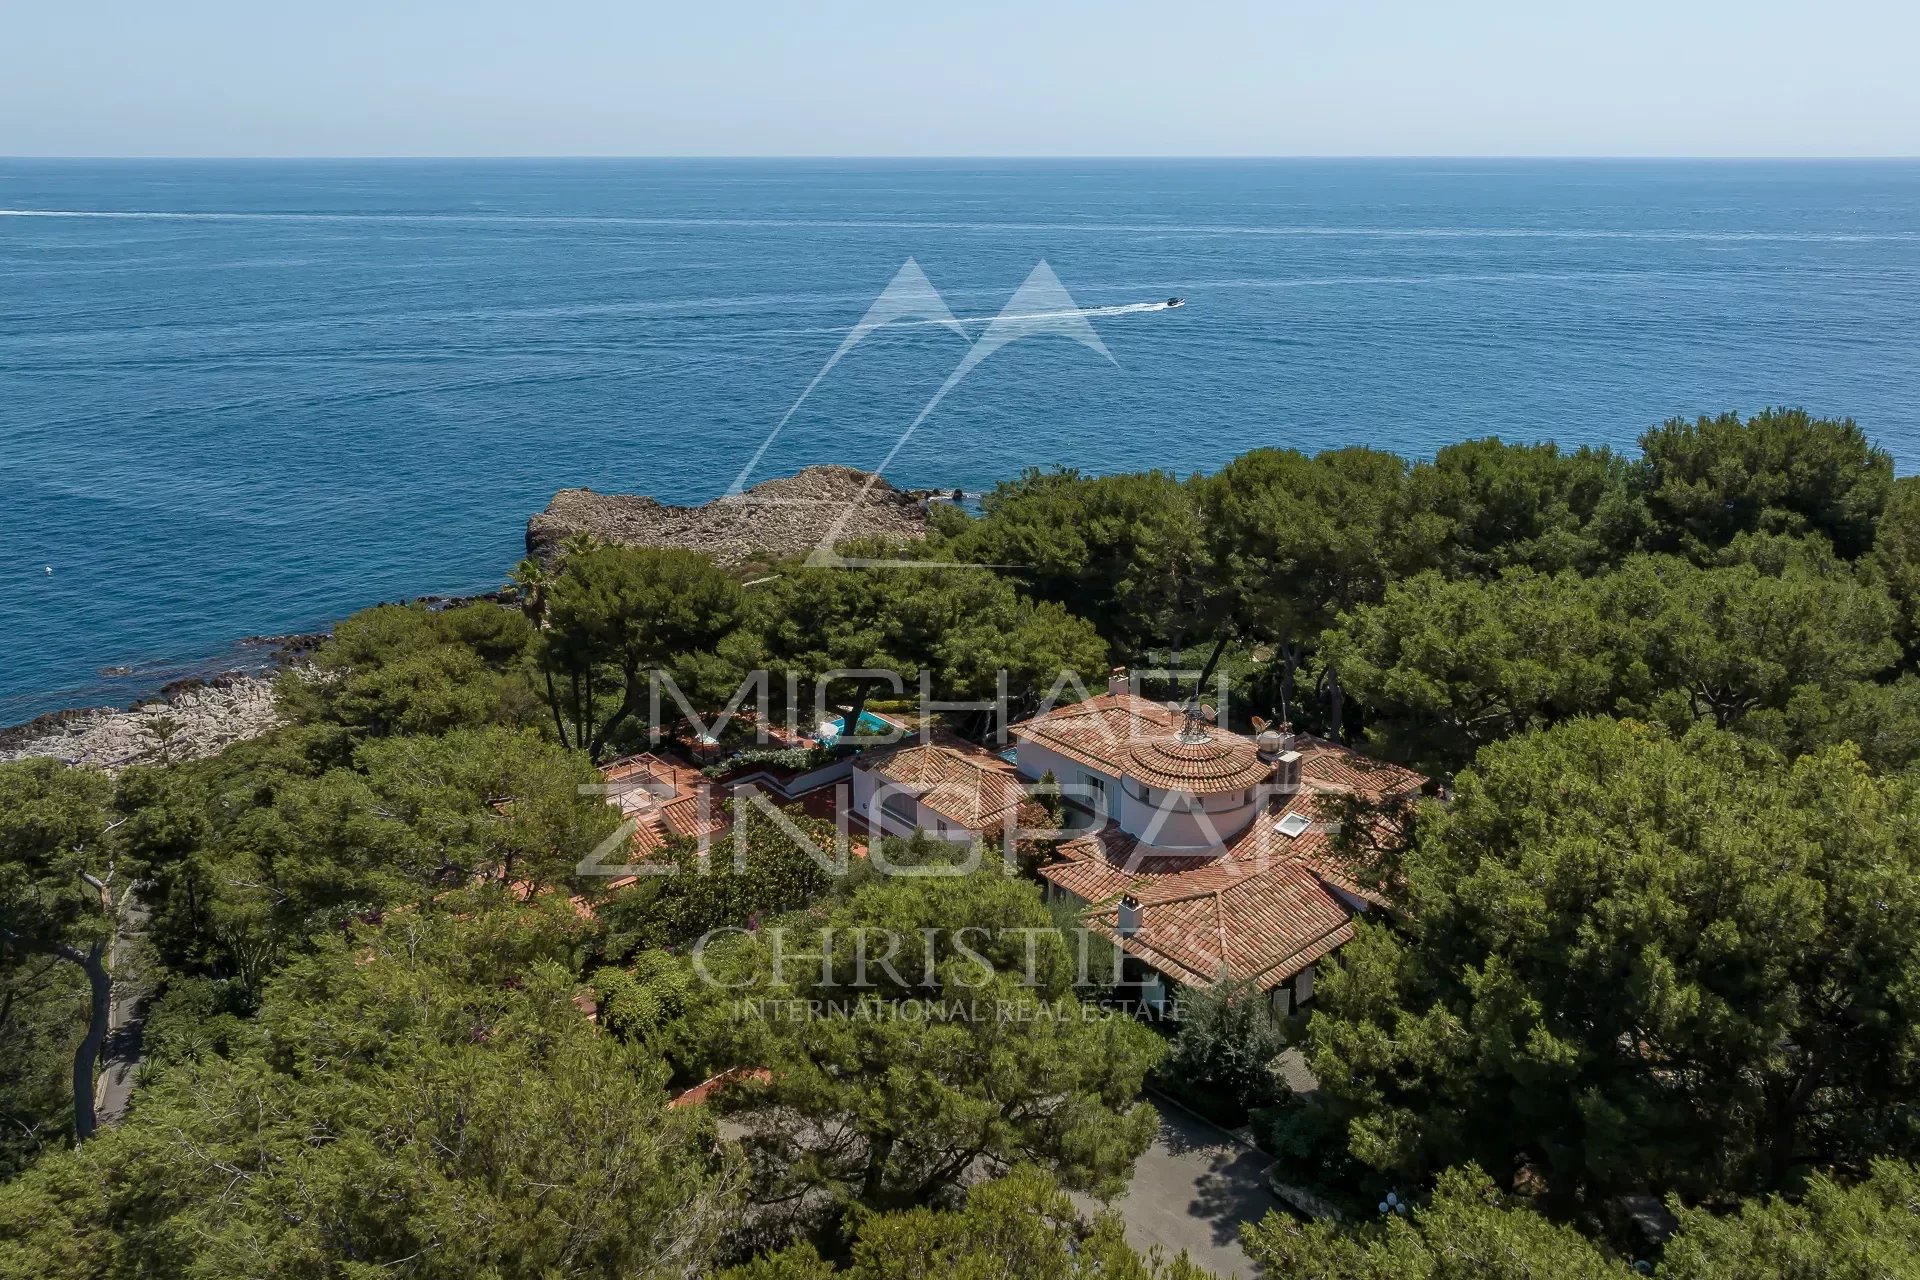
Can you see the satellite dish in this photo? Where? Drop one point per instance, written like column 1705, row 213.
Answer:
column 1208, row 714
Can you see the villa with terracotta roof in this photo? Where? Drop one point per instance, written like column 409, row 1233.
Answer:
column 1203, row 853
column 944, row 786
column 1207, row 856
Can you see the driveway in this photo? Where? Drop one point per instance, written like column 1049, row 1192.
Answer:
column 1191, row 1190
column 121, row 1054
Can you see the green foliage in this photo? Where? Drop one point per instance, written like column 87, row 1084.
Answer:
column 1639, row 961
column 1468, row 1231
column 1896, row 557
column 1735, row 640
column 1465, row 1233
column 1529, row 506
column 1017, row 1227
column 1046, row 794
column 1300, row 538
column 1780, row 471
column 53, row 839
column 404, row 669
column 641, row 1002
column 194, row 1019
column 1446, row 666
column 1882, row 721
column 63, row 888
column 255, row 855
column 795, row 759
column 43, row 1007
column 616, row 615
column 1870, row 1231
column 527, row 585
column 498, row 635
column 764, row 865
column 1278, row 544
column 1224, row 1050
column 963, row 1051
column 961, row 626
column 1128, row 551
column 490, row 803
column 387, row 1124
column 1308, row 1141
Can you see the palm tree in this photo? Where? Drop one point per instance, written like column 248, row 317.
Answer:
column 528, row 583
column 579, row 543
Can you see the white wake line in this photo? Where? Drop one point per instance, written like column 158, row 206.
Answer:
column 1082, row 228
column 1119, row 309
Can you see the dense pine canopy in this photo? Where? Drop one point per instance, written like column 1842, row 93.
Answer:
column 1660, row 941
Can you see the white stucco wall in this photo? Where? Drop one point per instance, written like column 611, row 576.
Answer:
column 869, row 793
column 1033, row 762
column 1181, row 820
column 1182, row 826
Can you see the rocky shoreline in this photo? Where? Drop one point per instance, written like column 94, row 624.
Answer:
column 775, row 520
column 189, row 721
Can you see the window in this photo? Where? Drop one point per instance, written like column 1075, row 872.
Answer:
column 1097, row 793
column 1292, row 825
column 901, row 807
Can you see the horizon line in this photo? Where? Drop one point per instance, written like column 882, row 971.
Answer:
column 987, row 156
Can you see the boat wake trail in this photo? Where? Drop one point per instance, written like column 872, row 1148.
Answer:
column 1121, row 309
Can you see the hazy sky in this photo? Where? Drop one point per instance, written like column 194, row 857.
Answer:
column 986, row 77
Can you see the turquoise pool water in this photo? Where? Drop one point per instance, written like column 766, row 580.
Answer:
column 871, row 725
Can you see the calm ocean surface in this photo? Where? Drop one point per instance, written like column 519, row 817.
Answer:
column 249, row 397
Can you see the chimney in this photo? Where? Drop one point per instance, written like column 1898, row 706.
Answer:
column 1129, row 916
column 1117, row 682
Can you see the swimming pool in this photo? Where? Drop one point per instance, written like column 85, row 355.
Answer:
column 871, row 726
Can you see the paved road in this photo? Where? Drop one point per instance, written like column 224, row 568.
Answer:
column 1191, row 1190
column 121, row 1055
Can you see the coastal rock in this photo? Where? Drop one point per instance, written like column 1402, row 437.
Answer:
column 773, row 520
column 210, row 715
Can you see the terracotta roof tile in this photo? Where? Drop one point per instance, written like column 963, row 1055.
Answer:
column 1262, row 906
column 963, row 783
column 1224, row 762
column 1101, row 730
column 707, row 1088
column 697, row 814
column 663, row 800
column 1336, row 767
column 1125, row 735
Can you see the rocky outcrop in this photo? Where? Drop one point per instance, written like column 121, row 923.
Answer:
column 207, row 717
column 773, row 520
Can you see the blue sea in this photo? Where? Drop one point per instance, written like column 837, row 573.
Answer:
column 249, row 397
